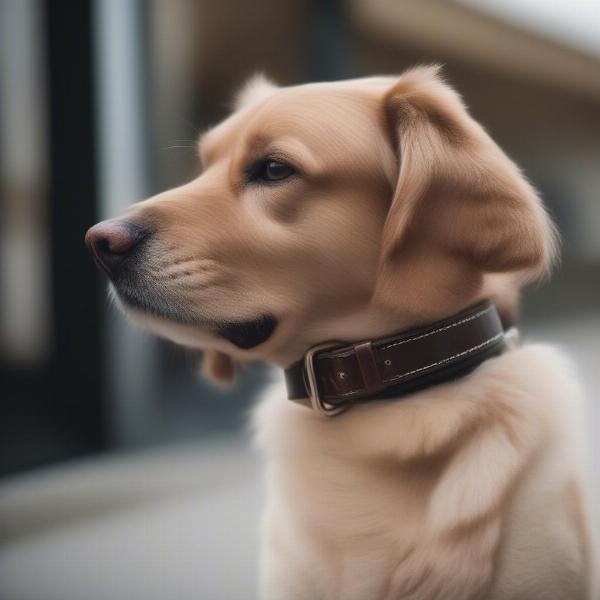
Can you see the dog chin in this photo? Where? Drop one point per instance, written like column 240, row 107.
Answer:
column 152, row 305
column 164, row 323
column 244, row 334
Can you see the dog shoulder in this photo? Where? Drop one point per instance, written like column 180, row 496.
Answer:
column 521, row 448
column 531, row 404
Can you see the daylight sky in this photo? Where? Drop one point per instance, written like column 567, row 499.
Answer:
column 575, row 23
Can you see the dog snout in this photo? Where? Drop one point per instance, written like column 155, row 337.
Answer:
column 112, row 242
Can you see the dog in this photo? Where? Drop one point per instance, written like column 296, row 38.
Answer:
column 346, row 213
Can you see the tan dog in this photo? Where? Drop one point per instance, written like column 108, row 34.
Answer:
column 348, row 211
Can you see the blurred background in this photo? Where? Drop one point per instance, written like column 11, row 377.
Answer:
column 122, row 474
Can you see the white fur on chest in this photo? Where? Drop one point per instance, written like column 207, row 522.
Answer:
column 408, row 498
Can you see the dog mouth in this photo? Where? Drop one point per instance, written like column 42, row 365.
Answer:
column 242, row 333
column 249, row 334
column 121, row 249
column 153, row 304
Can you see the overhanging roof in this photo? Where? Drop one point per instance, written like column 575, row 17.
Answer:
column 464, row 32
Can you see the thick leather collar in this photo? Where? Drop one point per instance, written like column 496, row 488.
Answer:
column 334, row 376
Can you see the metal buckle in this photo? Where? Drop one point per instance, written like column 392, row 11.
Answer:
column 311, row 381
column 512, row 337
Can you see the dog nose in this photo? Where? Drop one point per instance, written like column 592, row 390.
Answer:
column 110, row 242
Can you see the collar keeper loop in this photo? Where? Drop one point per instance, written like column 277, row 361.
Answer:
column 368, row 367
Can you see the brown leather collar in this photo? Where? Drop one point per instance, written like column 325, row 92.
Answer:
column 334, row 376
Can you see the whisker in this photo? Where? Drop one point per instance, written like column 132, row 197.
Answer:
column 185, row 143
column 175, row 146
column 183, row 259
column 198, row 286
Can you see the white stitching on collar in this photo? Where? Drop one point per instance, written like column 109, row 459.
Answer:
column 465, row 320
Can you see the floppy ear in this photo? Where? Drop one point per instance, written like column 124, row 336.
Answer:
column 457, row 193
column 218, row 368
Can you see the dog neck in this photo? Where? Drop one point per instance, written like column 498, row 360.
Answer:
column 333, row 376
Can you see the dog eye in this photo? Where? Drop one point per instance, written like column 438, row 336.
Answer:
column 273, row 170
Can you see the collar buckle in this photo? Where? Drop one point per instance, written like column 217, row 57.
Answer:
column 312, row 385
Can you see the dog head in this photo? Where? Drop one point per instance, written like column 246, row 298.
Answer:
column 328, row 211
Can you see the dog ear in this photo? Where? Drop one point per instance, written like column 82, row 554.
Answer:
column 257, row 88
column 219, row 368
column 456, row 191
